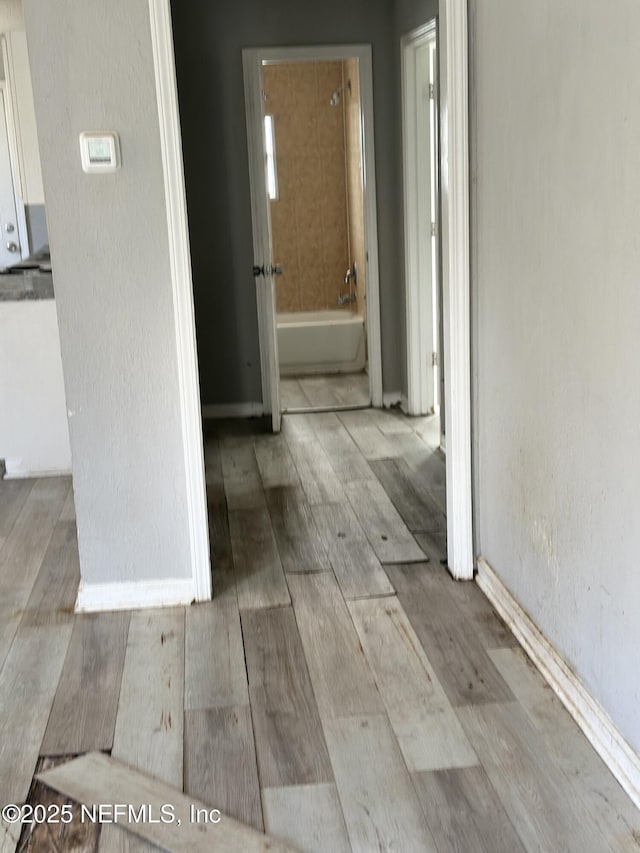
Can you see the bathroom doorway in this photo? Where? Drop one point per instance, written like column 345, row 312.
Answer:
column 308, row 113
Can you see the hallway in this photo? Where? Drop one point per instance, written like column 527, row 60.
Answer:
column 340, row 692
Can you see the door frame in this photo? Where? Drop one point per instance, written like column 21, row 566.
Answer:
column 455, row 271
column 4, row 110
column 252, row 62
column 15, row 143
column 182, row 287
column 421, row 307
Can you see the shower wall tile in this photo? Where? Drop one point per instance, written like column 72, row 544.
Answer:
column 309, row 219
column 288, row 290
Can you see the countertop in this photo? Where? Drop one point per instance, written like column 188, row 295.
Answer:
column 29, row 286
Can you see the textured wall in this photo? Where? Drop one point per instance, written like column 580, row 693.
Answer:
column 309, row 217
column 92, row 68
column 11, row 15
column 209, row 38
column 557, row 257
column 354, row 180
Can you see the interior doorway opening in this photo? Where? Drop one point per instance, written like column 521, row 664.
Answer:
column 313, row 153
column 421, row 158
column 311, row 159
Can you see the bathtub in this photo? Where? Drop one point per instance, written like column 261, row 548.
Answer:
column 321, row 342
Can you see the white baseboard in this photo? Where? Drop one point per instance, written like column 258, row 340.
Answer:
column 134, row 595
column 391, row 399
column 30, row 475
column 233, row 410
column 617, row 754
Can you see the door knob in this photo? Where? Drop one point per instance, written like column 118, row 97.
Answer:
column 9, row 228
column 12, row 247
column 267, row 270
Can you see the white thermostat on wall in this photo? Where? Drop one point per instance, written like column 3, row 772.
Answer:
column 100, row 151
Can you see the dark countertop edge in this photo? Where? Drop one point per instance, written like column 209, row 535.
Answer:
column 26, row 288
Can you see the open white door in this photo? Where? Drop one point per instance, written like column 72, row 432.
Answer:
column 419, row 130
column 263, row 266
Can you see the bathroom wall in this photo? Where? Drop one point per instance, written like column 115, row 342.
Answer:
column 309, row 217
column 353, row 144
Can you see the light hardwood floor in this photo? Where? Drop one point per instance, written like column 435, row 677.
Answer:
column 340, row 692
column 332, row 390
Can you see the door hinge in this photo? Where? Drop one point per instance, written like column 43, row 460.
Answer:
column 432, row 91
column 434, row 229
column 434, row 359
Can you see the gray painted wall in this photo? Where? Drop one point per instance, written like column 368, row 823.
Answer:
column 208, row 41
column 558, row 307
column 411, row 14
column 110, row 257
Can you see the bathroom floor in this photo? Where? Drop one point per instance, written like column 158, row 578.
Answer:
column 328, row 391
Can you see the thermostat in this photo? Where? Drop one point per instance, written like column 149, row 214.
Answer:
column 100, row 152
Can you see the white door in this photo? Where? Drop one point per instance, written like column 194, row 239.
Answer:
column 264, row 268
column 9, row 240
column 421, row 209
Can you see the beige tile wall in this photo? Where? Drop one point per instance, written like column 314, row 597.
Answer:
column 354, row 178
column 309, row 218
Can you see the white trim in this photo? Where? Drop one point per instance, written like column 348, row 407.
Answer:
column 134, row 595
column 594, row 721
column 417, row 179
column 454, row 191
column 232, row 410
column 252, row 60
column 15, row 145
column 180, row 258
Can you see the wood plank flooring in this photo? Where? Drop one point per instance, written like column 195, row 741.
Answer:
column 289, row 742
column 334, row 694
column 324, row 391
column 220, row 762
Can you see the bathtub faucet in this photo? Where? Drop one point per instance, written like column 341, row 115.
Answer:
column 351, row 274
column 346, row 298
column 351, row 280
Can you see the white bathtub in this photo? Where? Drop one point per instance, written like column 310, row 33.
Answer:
column 321, row 342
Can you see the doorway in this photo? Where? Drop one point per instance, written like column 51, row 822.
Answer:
column 436, row 188
column 310, row 131
column 421, row 157
column 314, row 182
